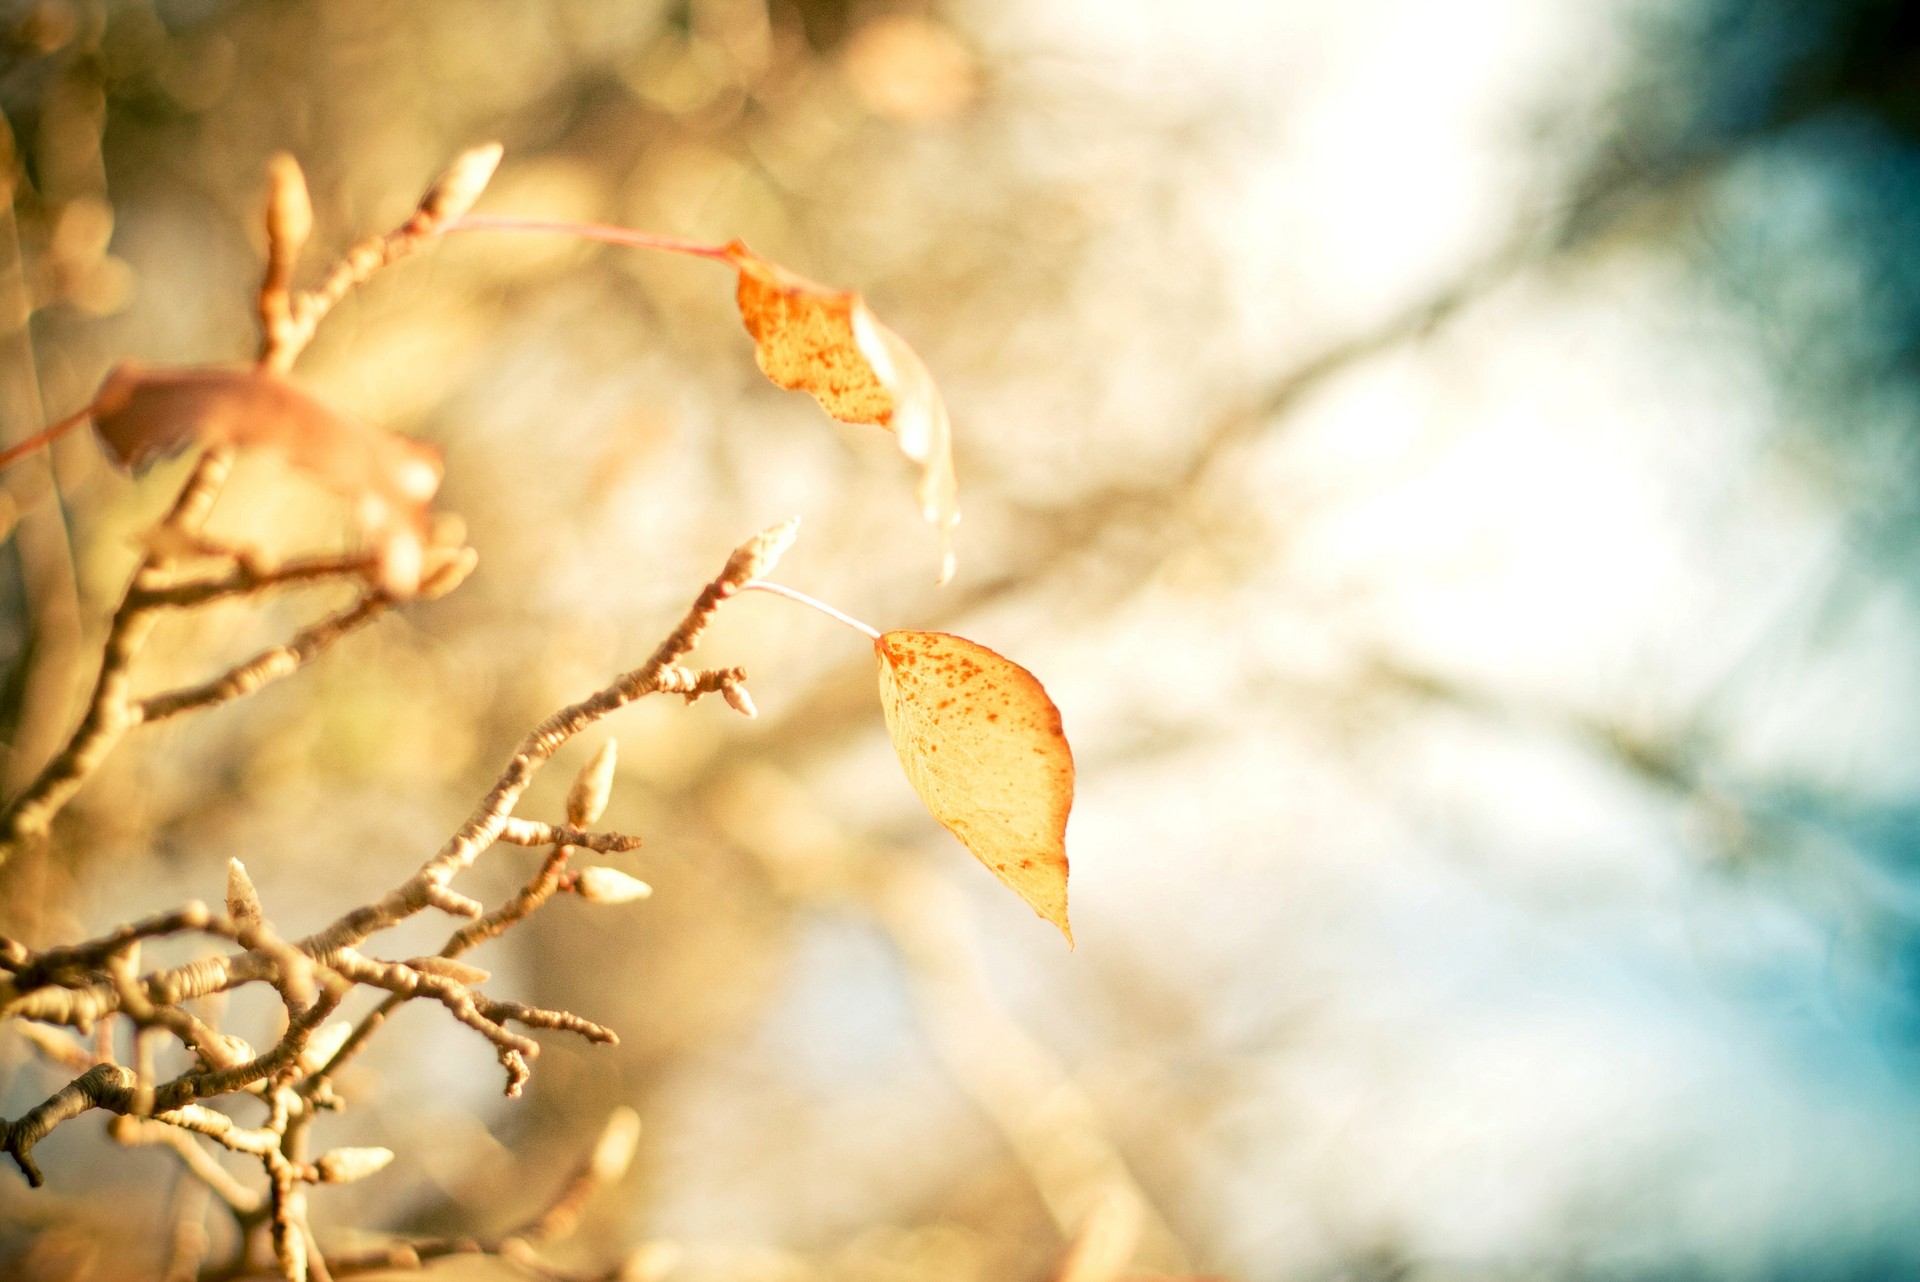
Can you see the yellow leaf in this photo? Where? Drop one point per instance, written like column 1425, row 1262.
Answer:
column 825, row 342
column 981, row 743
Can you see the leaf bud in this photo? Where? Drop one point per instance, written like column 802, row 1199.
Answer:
column 243, row 901
column 324, row 1045
column 613, row 1151
column 738, row 699
column 448, row 968
column 759, row 554
column 289, row 209
column 345, row 1165
column 227, row 1051
column 598, row 885
column 445, row 571
column 587, row 799
column 454, row 191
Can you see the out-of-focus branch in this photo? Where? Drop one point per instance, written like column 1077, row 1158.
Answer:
column 88, row 983
column 1056, row 1132
column 262, row 669
column 248, row 578
column 288, row 323
column 603, row 1166
column 136, row 1132
column 656, row 676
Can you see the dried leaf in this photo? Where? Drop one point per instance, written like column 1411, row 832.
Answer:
column 981, row 743
column 825, row 342
column 144, row 414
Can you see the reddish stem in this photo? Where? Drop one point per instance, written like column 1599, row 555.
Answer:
column 14, row 453
column 592, row 231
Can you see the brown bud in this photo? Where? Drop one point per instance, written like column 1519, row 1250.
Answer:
column 587, row 799
column 598, row 885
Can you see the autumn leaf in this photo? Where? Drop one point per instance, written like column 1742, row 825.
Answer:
column 144, row 414
column 825, row 342
column 981, row 743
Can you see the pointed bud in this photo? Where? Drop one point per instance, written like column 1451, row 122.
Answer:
column 454, row 191
column 445, row 571
column 587, row 799
column 447, row 968
column 739, row 700
column 243, row 901
column 599, row 885
column 613, row 1151
column 289, row 209
column 651, row 1262
column 759, row 554
column 345, row 1165
column 324, row 1045
column 227, row 1051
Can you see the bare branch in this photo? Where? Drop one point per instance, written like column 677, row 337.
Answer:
column 525, row 832
column 109, row 1086
column 143, row 1131
column 264, row 668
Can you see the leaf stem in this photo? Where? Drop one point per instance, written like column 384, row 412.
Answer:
column 14, row 453
column 793, row 594
column 591, row 231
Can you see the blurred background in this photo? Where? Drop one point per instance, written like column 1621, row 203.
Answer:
column 1453, row 465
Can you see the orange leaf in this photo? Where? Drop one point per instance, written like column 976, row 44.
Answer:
column 144, row 414
column 982, row 745
column 825, row 342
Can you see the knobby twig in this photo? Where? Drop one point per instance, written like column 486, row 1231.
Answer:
column 100, row 984
column 288, row 323
column 86, row 984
